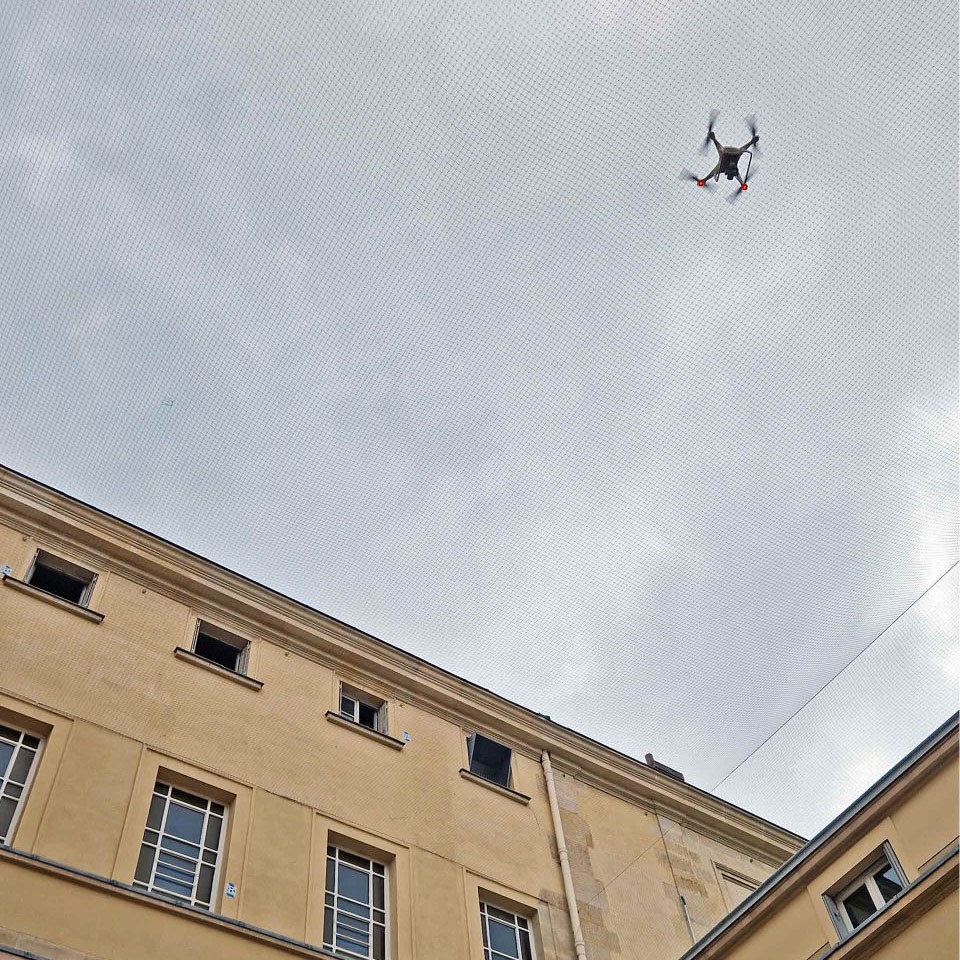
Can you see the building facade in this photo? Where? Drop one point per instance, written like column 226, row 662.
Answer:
column 192, row 765
column 880, row 881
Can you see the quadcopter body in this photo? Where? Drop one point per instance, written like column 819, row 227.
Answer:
column 728, row 159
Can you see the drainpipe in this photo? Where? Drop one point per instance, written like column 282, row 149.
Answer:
column 578, row 943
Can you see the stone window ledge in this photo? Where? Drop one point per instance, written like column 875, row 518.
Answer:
column 92, row 615
column 496, row 787
column 383, row 738
column 190, row 657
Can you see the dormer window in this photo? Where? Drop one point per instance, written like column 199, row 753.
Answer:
column 61, row 578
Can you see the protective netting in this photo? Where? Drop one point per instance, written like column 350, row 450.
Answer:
column 403, row 310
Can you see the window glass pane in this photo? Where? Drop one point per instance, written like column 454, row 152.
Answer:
column 859, row 906
column 354, row 909
column 360, row 862
column 7, row 809
column 503, row 939
column 205, row 884
column 13, row 790
column 155, row 816
column 216, row 809
column 347, row 707
column 379, row 943
column 525, row 951
column 32, row 742
column 9, row 734
column 178, row 846
column 213, row 833
column 21, row 765
column 888, row 882
column 184, row 822
column 328, row 926
column 145, row 864
column 6, row 752
column 175, row 887
column 354, row 884
column 378, row 892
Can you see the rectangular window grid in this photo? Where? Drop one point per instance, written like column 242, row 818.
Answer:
column 180, row 853
column 18, row 753
column 355, row 906
column 506, row 936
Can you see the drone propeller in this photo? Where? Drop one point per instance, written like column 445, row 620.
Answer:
column 686, row 174
column 742, row 188
column 751, row 123
column 711, row 122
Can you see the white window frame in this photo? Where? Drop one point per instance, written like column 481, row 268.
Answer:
column 863, row 876
column 334, row 854
column 8, row 785
column 160, row 831
column 226, row 637
column 507, row 918
column 68, row 568
column 379, row 706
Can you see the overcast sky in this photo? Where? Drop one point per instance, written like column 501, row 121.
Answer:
column 401, row 308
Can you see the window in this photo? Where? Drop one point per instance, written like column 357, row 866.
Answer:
column 506, row 936
column 355, row 906
column 489, row 759
column 181, row 846
column 221, row 647
column 363, row 709
column 61, row 578
column 857, row 900
column 18, row 754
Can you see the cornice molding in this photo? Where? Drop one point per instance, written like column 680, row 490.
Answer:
column 110, row 544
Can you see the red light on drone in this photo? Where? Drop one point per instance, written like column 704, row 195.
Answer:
column 700, row 183
column 743, row 186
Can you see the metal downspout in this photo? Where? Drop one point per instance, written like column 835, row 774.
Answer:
column 578, row 943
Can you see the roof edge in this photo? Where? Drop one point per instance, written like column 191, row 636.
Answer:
column 678, row 798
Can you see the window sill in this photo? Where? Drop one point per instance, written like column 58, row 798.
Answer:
column 383, row 738
column 92, row 615
column 181, row 654
column 496, row 787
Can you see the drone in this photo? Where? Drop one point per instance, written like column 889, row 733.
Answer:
column 728, row 159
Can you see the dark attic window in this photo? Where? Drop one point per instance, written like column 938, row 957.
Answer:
column 220, row 647
column 489, row 759
column 61, row 578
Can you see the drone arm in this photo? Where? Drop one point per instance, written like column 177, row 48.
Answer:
column 712, row 173
column 750, row 143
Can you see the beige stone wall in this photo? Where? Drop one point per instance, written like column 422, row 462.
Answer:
column 116, row 706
